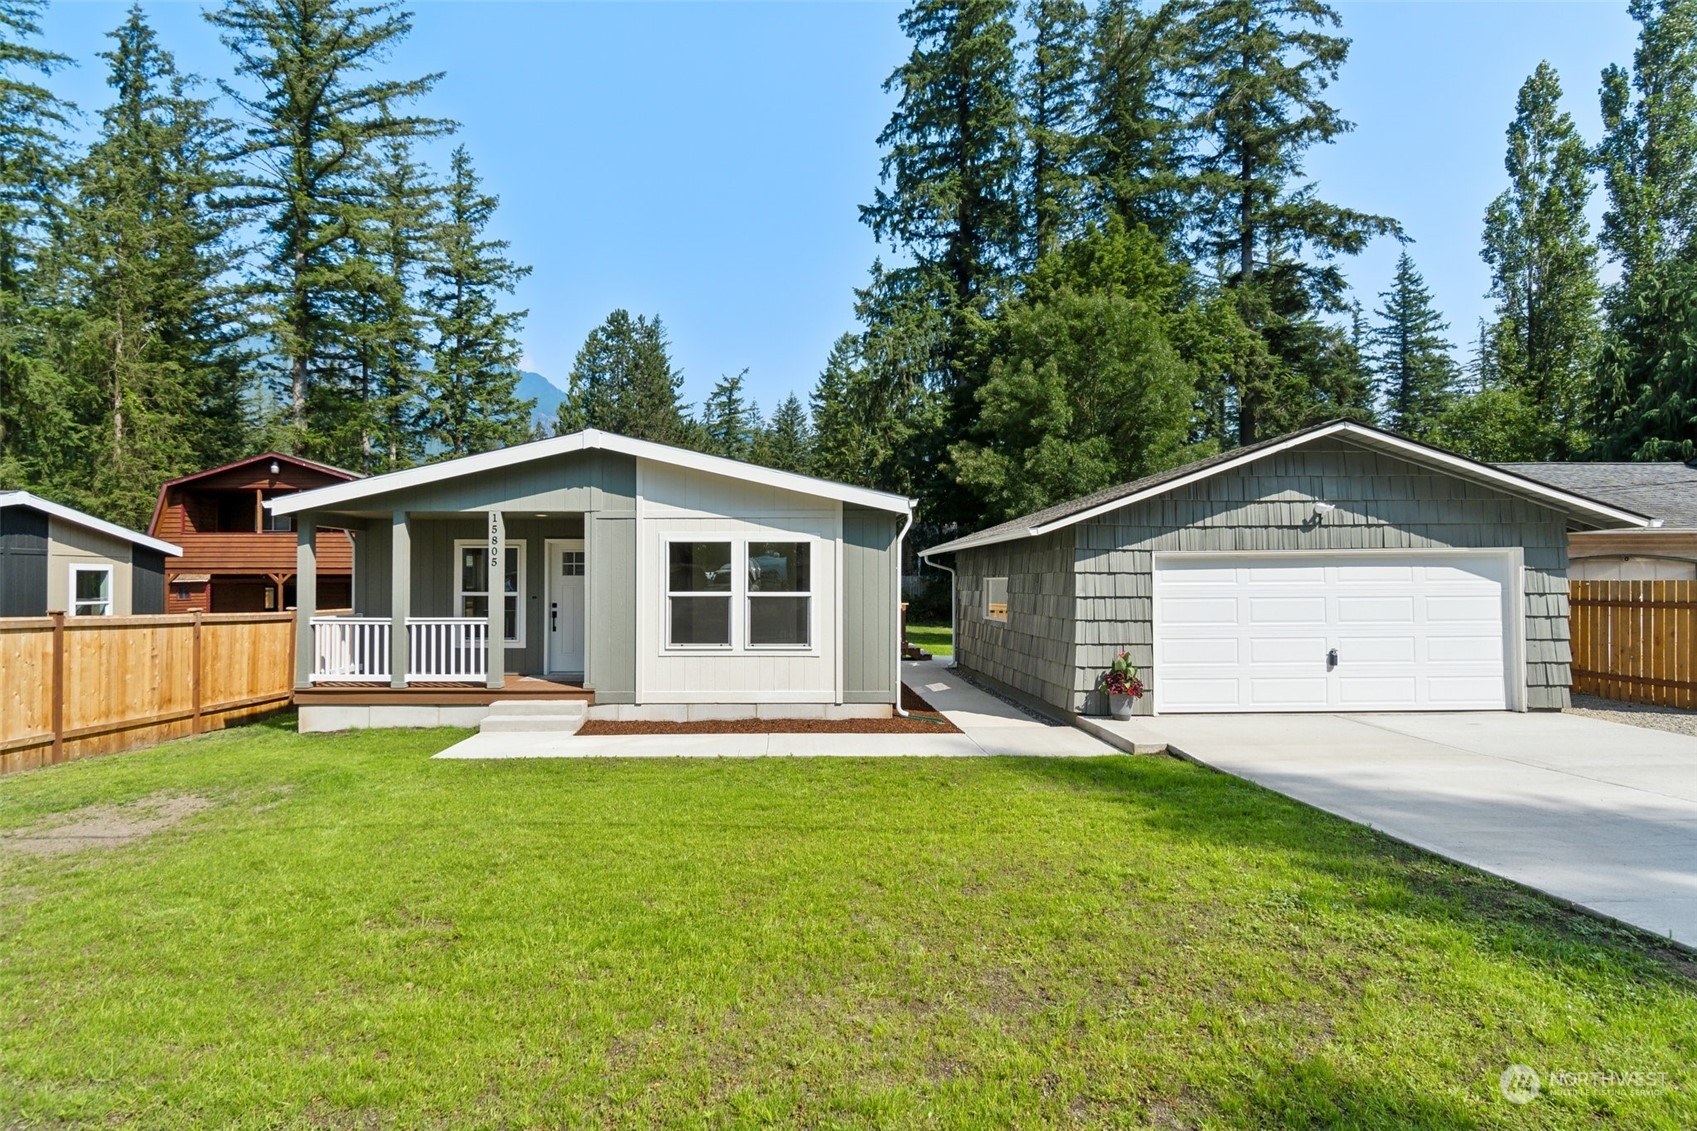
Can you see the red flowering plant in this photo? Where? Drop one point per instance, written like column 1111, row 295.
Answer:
column 1121, row 678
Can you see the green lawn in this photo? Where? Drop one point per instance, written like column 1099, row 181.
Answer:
column 937, row 639
column 354, row 935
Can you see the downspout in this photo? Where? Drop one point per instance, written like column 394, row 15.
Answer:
column 896, row 614
column 954, row 643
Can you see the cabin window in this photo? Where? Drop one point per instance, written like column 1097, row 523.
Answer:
column 699, row 584
column 91, row 590
column 275, row 523
column 780, row 584
column 233, row 512
column 471, row 587
column 996, row 599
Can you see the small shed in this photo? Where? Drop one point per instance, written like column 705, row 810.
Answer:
column 54, row 558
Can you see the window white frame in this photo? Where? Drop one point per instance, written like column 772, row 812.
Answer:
column 750, row 595
column 995, row 610
column 111, row 580
column 460, row 594
column 739, row 592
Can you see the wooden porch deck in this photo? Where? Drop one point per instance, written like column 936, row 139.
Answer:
column 439, row 694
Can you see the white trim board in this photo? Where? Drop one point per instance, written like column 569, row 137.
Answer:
column 590, row 439
column 87, row 521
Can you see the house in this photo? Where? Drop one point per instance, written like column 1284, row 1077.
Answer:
column 237, row 557
column 653, row 581
column 56, row 559
column 1340, row 568
column 1667, row 492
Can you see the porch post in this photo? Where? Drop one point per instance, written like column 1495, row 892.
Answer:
column 400, row 596
column 497, row 590
column 306, row 596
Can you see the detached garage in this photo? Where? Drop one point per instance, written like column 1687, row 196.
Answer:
column 1340, row 568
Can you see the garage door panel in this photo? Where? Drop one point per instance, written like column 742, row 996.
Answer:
column 1287, row 610
column 1375, row 610
column 1461, row 691
column 1200, row 694
column 1181, row 611
column 1270, row 692
column 1286, row 575
column 1487, row 609
column 1287, row 650
column 1353, row 650
column 1203, row 650
column 1461, row 649
column 1377, row 575
column 1367, row 692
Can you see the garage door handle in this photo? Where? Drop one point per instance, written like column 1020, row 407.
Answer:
column 1331, row 659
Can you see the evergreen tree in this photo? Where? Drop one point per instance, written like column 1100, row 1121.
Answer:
column 1649, row 368
column 728, row 422
column 786, row 440
column 147, row 335
column 1415, row 374
column 314, row 125
column 1053, row 95
column 866, row 429
column 470, row 403
column 32, row 174
column 1252, row 76
column 623, row 381
column 1545, row 335
column 1132, row 141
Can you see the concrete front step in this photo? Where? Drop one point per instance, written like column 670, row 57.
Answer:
column 513, row 707
column 539, row 724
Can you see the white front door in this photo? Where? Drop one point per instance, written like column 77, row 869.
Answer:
column 565, row 605
column 1333, row 632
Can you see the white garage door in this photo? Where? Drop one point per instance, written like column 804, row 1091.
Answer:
column 1333, row 632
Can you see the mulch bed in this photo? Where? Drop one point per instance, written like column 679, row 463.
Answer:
column 922, row 719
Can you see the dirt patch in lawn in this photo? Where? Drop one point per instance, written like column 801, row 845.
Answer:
column 922, row 719
column 102, row 826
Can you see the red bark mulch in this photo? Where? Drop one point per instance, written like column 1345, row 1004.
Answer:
column 922, row 719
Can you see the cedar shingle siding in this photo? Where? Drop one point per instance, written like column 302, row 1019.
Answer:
column 1078, row 595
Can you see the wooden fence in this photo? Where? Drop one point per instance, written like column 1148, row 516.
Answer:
column 1635, row 640
column 71, row 687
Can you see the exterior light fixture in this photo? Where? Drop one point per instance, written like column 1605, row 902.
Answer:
column 274, row 468
column 1321, row 510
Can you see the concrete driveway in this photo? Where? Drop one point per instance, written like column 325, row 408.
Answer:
column 1597, row 813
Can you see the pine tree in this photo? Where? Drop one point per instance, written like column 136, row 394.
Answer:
column 728, row 422
column 1545, row 335
column 313, row 128
column 148, row 331
column 785, row 441
column 1131, row 148
column 470, row 404
column 1649, row 368
column 1053, row 95
column 1414, row 369
column 623, row 381
column 32, row 175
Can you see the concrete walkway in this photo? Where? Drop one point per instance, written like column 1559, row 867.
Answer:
column 1593, row 813
column 988, row 727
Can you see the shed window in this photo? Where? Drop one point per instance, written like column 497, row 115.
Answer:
column 471, row 586
column 996, row 599
column 780, row 582
column 699, row 579
column 91, row 591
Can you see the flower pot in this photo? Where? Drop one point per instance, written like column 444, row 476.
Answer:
column 1119, row 706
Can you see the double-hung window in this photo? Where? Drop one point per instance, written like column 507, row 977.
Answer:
column 780, row 586
column 700, row 579
column 731, row 594
column 471, row 586
column 91, row 590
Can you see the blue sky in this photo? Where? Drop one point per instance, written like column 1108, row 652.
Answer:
column 704, row 161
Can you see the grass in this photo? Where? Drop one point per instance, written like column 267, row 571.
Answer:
column 355, row 935
column 937, row 639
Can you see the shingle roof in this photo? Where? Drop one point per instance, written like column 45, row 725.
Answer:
column 1667, row 491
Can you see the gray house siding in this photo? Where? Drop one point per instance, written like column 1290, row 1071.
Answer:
column 869, row 604
column 610, row 550
column 23, row 563
column 1033, row 651
column 147, row 581
column 1382, row 501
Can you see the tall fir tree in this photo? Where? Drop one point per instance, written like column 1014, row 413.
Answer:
column 623, row 381
column 470, row 402
column 1053, row 94
column 1649, row 368
column 148, row 337
column 32, row 176
column 786, row 440
column 1544, row 337
column 728, row 421
column 1133, row 134
column 1414, row 369
column 314, row 123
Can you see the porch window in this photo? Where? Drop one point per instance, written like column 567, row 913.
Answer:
column 471, row 587
column 698, row 594
column 91, row 591
column 780, row 584
column 996, row 599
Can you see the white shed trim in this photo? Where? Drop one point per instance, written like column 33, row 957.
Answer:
column 87, row 521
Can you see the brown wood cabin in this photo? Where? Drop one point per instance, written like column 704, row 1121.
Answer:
column 236, row 557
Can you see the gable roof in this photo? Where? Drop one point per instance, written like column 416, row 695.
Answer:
column 1667, row 491
column 1062, row 515
column 590, row 439
column 86, row 521
column 280, row 457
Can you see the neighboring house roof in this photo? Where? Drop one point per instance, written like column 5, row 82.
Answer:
column 280, row 457
column 1065, row 514
column 590, row 439
column 87, row 521
column 1667, row 491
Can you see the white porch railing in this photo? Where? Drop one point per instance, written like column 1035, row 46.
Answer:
column 350, row 649
column 449, row 649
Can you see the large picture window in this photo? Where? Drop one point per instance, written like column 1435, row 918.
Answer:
column 91, row 591
column 471, row 586
column 699, row 586
column 780, row 583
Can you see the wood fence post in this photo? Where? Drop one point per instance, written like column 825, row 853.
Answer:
column 58, row 686
column 194, row 685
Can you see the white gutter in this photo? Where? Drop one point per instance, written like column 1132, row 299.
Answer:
column 954, row 644
column 907, row 524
